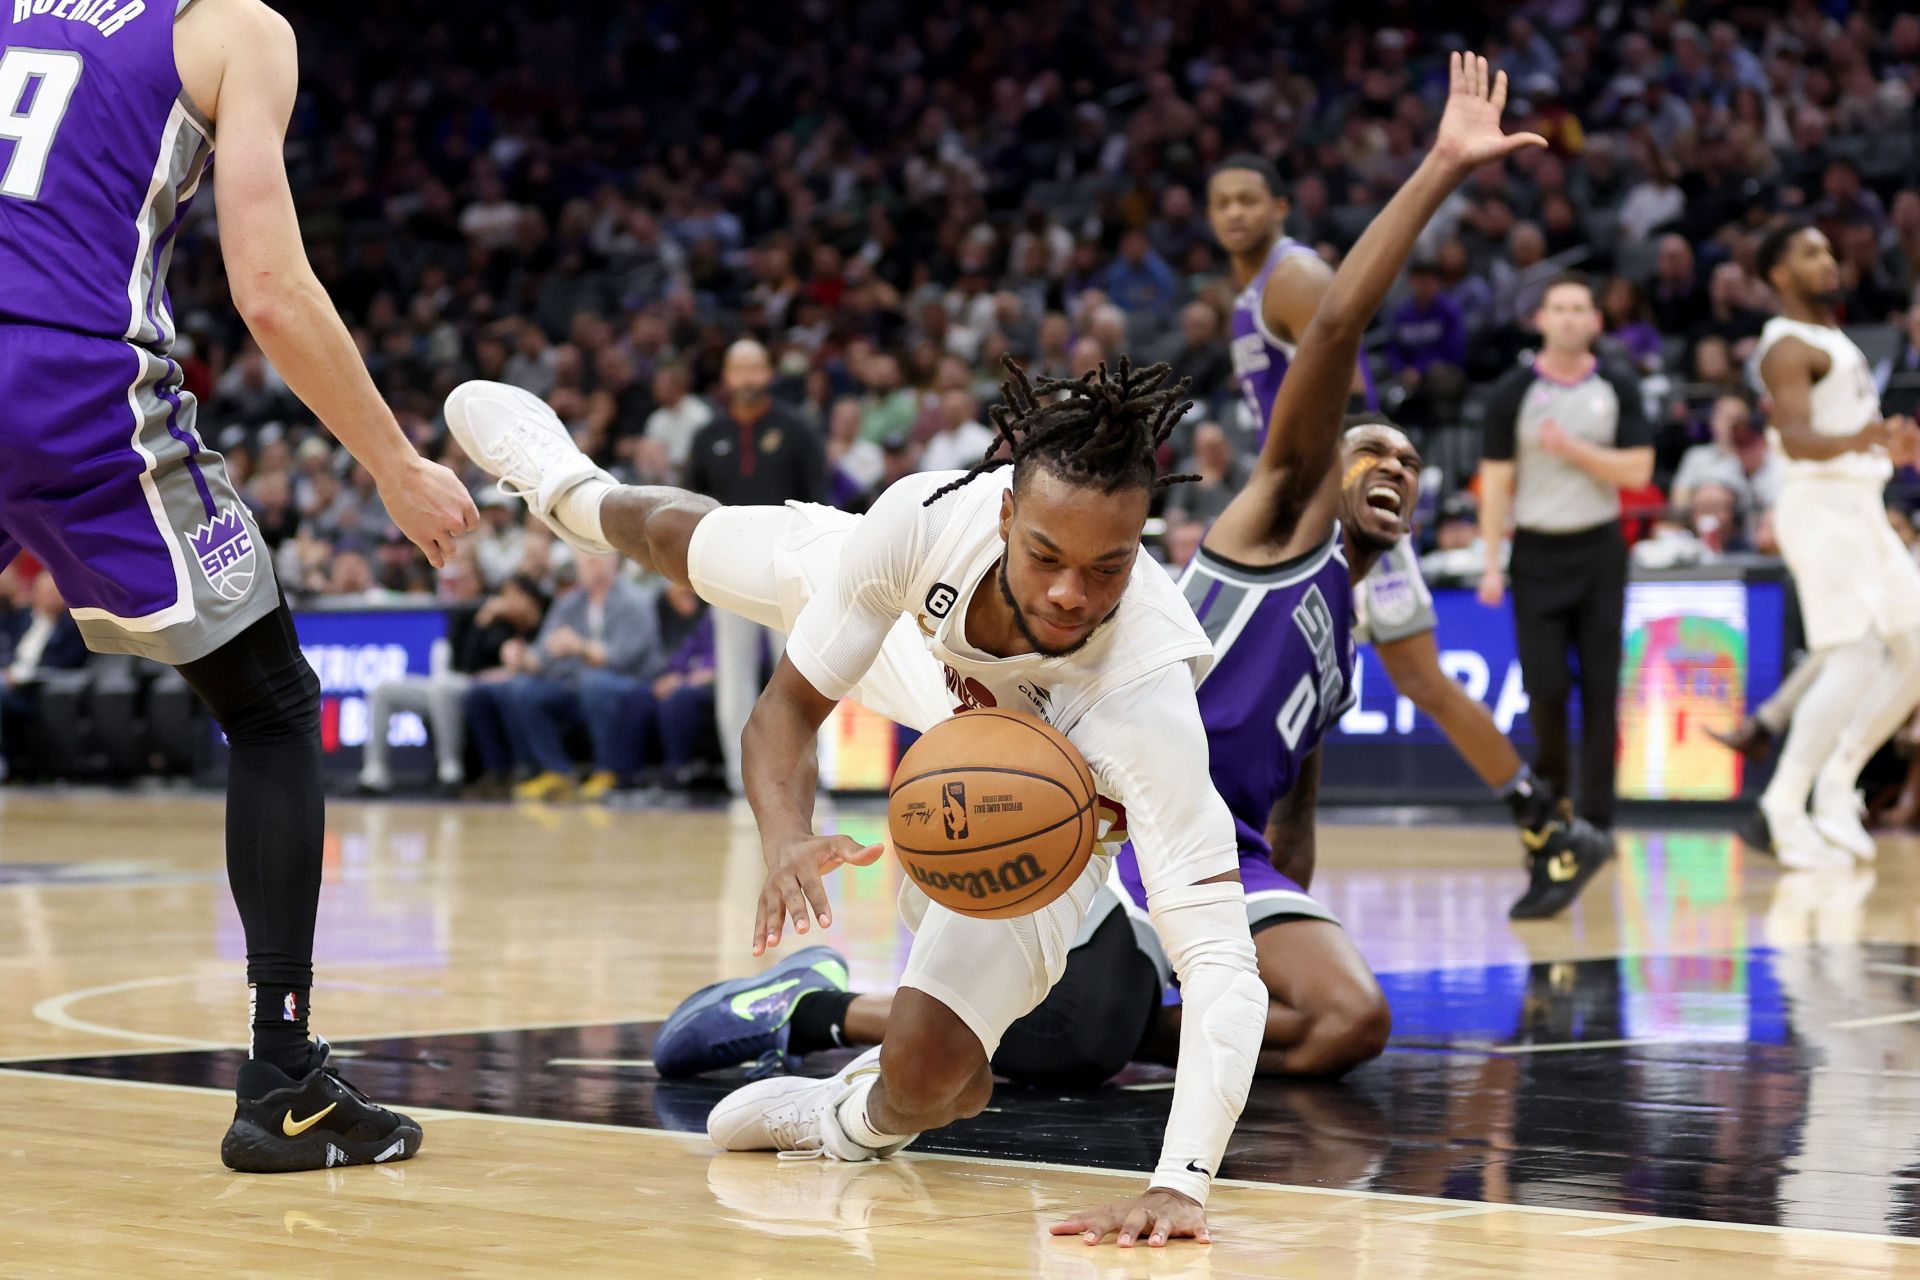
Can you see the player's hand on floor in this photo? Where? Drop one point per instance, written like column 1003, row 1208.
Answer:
column 1156, row 1217
column 794, row 884
column 428, row 503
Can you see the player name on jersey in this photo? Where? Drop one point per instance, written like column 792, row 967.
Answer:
column 107, row 15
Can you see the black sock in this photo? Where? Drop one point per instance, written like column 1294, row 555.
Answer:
column 280, row 1027
column 819, row 1021
column 1530, row 800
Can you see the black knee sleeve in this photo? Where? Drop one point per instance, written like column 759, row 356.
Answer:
column 1092, row 1022
column 259, row 685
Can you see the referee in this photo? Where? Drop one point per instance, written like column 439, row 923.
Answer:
column 1564, row 435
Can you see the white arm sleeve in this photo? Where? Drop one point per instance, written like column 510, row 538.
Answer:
column 840, row 630
column 1223, row 1015
column 1148, row 749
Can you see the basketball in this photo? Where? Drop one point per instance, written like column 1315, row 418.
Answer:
column 992, row 814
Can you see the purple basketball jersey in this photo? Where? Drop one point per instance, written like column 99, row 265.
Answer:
column 105, row 480
column 100, row 154
column 1260, row 359
column 1282, row 673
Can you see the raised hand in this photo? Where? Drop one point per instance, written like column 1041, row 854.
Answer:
column 1470, row 133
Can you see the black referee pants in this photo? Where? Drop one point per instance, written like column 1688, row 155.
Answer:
column 1569, row 596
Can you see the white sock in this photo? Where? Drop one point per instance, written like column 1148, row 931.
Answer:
column 852, row 1114
column 1845, row 680
column 1896, row 687
column 579, row 507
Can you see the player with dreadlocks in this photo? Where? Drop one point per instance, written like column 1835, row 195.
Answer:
column 1021, row 583
column 1107, row 655
column 1275, row 586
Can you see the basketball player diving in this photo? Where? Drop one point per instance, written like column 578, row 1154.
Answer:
column 1274, row 586
column 1027, row 583
column 1281, row 283
column 108, row 120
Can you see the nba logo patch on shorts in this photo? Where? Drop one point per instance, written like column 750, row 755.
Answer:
column 224, row 548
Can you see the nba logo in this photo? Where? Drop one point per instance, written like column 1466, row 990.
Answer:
column 289, row 1011
column 953, row 810
column 224, row 548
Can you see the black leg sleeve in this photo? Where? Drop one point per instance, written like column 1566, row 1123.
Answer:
column 267, row 699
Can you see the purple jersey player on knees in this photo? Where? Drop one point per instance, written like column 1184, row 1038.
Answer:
column 109, row 116
column 1281, row 285
column 1273, row 587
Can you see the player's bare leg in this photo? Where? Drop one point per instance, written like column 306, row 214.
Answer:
column 933, row 1069
column 1326, row 1013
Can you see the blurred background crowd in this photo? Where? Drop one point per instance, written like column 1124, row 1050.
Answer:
column 595, row 202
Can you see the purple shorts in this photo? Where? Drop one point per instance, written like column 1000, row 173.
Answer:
column 1271, row 897
column 103, row 480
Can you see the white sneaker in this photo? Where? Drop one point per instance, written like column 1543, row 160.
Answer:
column 795, row 1116
column 1800, row 846
column 513, row 435
column 1837, row 816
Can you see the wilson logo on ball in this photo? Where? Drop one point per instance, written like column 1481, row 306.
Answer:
column 954, row 810
column 1009, row 876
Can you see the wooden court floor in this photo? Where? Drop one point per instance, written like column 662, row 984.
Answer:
column 1707, row 1069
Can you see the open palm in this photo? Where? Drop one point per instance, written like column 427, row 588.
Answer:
column 1470, row 130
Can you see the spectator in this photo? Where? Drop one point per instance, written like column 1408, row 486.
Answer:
column 50, row 641
column 478, row 634
column 599, row 641
column 1426, row 346
column 1845, row 199
column 1200, row 356
column 854, row 464
column 678, row 414
column 1654, row 202
column 890, row 407
column 1737, row 459
column 1629, row 321
column 676, row 708
column 1679, row 303
column 756, row 452
column 962, row 439
column 1222, row 475
column 1141, row 280
column 1729, row 315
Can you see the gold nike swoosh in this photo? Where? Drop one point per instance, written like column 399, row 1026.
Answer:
column 1562, row 867
column 1536, row 840
column 294, row 1128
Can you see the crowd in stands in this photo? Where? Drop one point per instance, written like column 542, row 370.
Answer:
column 592, row 202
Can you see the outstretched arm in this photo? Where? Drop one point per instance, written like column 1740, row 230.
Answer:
column 1288, row 506
column 274, row 288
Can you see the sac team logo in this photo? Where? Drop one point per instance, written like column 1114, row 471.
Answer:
column 224, row 548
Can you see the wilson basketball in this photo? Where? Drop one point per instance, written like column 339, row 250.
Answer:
column 993, row 813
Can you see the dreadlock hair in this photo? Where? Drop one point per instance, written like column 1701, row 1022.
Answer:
column 1104, row 432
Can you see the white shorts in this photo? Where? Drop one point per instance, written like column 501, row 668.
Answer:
column 765, row 563
column 1854, row 576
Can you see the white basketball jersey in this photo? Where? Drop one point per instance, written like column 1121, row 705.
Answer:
column 1844, row 400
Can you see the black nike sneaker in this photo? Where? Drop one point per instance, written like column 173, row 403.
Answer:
column 1561, row 857
column 284, row 1125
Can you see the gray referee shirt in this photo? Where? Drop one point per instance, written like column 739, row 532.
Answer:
column 1551, row 494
